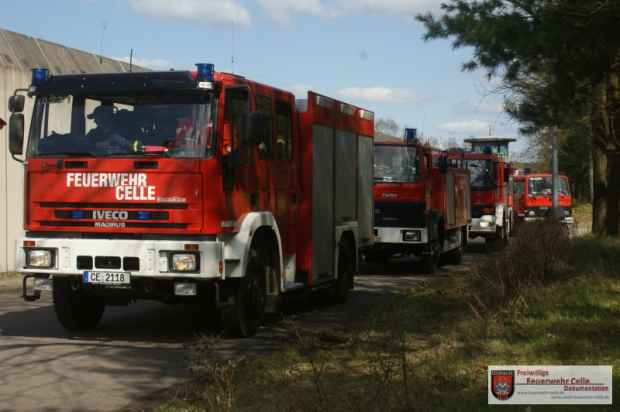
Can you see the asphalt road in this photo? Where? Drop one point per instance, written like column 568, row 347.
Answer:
column 140, row 350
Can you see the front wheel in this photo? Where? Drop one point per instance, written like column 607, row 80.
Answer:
column 75, row 309
column 243, row 318
column 431, row 260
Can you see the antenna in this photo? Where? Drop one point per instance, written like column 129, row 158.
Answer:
column 131, row 61
column 104, row 27
column 232, row 54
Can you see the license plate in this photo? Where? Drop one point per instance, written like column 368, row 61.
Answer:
column 107, row 278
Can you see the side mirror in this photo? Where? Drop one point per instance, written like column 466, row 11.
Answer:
column 443, row 164
column 16, row 134
column 258, row 128
column 507, row 173
column 16, row 103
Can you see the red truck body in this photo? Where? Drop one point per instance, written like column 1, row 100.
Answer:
column 491, row 185
column 491, row 194
column 421, row 205
column 533, row 197
column 216, row 186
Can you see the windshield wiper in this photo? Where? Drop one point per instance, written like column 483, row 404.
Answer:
column 79, row 154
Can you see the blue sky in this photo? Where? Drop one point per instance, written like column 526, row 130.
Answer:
column 367, row 52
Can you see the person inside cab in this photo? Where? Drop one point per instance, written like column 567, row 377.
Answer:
column 103, row 117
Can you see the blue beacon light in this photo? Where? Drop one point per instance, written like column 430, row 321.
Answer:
column 205, row 72
column 411, row 135
column 39, row 76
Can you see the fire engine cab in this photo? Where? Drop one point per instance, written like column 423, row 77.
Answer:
column 188, row 187
column 491, row 186
column 533, row 196
column 421, row 205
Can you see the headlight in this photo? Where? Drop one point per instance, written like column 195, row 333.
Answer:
column 40, row 258
column 184, row 262
column 531, row 213
column 488, row 219
column 412, row 236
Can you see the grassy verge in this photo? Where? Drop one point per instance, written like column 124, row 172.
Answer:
column 548, row 301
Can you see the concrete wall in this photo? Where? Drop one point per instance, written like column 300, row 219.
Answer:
column 18, row 55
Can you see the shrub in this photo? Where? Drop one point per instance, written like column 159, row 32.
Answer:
column 536, row 257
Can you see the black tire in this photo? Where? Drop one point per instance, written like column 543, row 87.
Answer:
column 455, row 257
column 344, row 281
column 243, row 318
column 430, row 262
column 76, row 310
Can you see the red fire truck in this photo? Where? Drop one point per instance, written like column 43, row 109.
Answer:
column 189, row 187
column 533, row 197
column 421, row 205
column 491, row 186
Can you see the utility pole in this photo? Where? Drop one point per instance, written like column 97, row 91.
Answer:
column 555, row 171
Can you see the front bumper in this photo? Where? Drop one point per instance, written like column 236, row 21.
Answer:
column 480, row 226
column 148, row 252
column 396, row 235
column 566, row 220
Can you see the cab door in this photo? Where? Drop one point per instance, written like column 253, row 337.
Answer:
column 284, row 173
column 239, row 186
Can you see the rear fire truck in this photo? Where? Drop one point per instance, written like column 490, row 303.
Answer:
column 491, row 186
column 189, row 187
column 533, row 197
column 421, row 205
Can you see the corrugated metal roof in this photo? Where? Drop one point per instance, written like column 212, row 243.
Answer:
column 24, row 53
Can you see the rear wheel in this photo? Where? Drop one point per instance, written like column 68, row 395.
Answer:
column 346, row 267
column 243, row 318
column 75, row 309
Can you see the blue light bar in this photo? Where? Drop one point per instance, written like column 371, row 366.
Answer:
column 205, row 72
column 411, row 135
column 39, row 76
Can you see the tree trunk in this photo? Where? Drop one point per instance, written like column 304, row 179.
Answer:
column 613, row 194
column 600, row 139
column 599, row 204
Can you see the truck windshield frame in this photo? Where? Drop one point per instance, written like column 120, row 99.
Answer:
column 483, row 175
column 179, row 125
column 543, row 186
column 396, row 164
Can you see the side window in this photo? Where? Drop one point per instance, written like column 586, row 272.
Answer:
column 235, row 112
column 284, row 131
column 519, row 187
column 264, row 105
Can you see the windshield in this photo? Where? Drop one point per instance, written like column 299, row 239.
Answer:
column 133, row 125
column 543, row 186
column 395, row 164
column 482, row 173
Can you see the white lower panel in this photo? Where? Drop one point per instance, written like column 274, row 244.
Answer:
column 146, row 250
column 395, row 235
column 479, row 226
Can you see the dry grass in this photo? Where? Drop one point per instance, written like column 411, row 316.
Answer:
column 547, row 301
